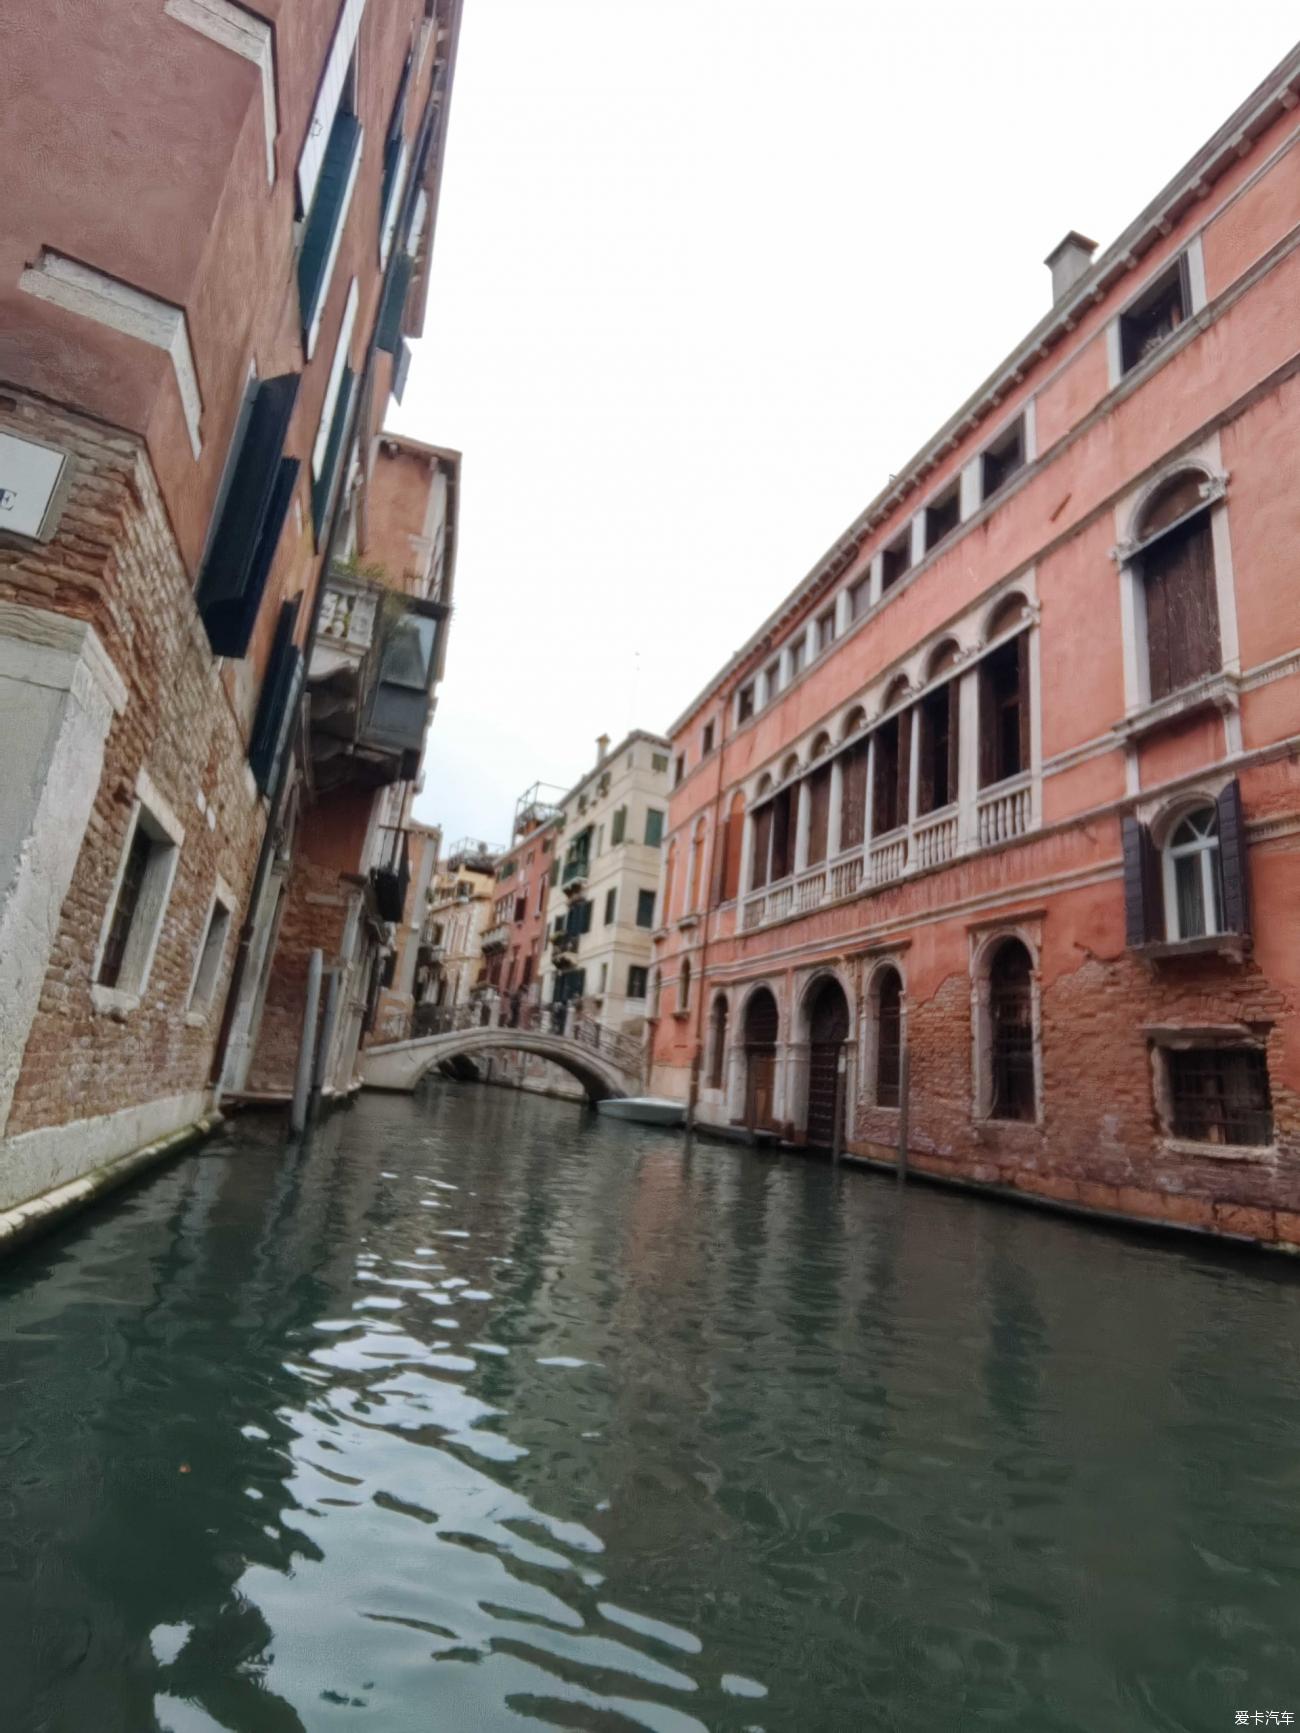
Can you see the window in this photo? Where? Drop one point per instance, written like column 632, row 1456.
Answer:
column 335, row 177
column 251, row 508
column 706, row 741
column 1175, row 565
column 134, row 922
column 1000, row 460
column 889, row 1036
column 717, row 1042
column 327, row 452
column 896, row 559
column 853, row 795
column 772, row 679
column 796, row 657
column 604, row 977
column 611, row 903
column 1154, row 316
column 826, row 629
column 1004, row 711
column 819, row 811
column 645, row 908
column 938, row 738
column 393, row 182
column 654, row 827
column 636, row 981
column 726, row 870
column 397, row 714
column 679, row 769
column 942, row 516
column 745, row 703
column 277, row 703
column 1193, row 886
column 859, row 598
column 889, row 797
column 1011, row 1046
column 1219, row 1095
column 521, row 910
column 658, row 762
column 618, row 826
column 684, row 987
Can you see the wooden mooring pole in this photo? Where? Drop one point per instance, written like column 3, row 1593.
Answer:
column 307, row 1051
column 904, row 1096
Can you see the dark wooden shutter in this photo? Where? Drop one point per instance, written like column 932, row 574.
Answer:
column 230, row 624
column 275, row 706
column 762, row 846
column 388, row 331
column 1232, row 860
column 1022, row 697
column 1181, row 606
column 782, row 853
column 322, row 494
column 905, row 723
column 1155, row 584
column 326, row 214
column 853, row 796
column 819, row 815
column 1143, row 901
column 257, row 493
column 401, row 368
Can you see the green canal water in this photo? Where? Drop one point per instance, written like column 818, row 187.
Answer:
column 483, row 1413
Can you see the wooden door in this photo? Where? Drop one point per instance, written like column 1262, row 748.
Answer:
column 828, row 1031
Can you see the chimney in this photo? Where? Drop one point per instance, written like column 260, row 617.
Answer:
column 602, row 747
column 1068, row 261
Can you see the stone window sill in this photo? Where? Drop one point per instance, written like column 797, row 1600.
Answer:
column 1217, row 691
column 1231, row 945
column 687, row 922
column 113, row 1001
column 1265, row 1153
column 680, row 1016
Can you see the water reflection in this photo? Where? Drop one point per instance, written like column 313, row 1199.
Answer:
column 481, row 1413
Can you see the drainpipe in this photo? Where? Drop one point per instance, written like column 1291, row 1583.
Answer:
column 360, row 404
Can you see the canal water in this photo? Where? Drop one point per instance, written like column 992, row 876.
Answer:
column 484, row 1413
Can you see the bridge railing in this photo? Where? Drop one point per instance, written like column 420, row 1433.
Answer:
column 502, row 1012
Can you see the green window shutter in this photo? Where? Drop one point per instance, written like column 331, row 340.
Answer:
column 322, row 493
column 388, row 332
column 281, row 690
column 654, row 827
column 244, row 540
column 619, row 827
column 611, row 903
column 645, row 908
column 320, row 239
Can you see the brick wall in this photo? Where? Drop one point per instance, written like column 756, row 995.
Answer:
column 114, row 563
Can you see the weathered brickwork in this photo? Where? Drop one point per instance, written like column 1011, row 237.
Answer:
column 114, row 563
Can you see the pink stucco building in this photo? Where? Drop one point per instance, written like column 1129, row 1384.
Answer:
column 1001, row 806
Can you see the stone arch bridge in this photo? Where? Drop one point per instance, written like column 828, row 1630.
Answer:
column 605, row 1061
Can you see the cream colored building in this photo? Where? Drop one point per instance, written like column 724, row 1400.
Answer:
column 460, row 911
column 601, row 906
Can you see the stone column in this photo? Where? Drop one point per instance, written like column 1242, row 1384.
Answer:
column 968, row 747
column 803, row 822
column 747, row 856
column 833, row 822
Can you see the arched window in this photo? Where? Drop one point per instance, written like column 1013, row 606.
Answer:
column 1175, row 566
column 819, row 802
column 887, row 994
column 828, row 1030
column 670, row 868
column 1004, row 748
column 893, row 739
column 1011, row 1033
column 684, row 986
column 727, row 851
column 854, row 722
column 717, row 1042
column 938, row 745
column 695, row 885
column 1193, row 880
column 762, row 1025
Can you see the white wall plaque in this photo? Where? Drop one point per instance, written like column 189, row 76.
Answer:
column 29, row 475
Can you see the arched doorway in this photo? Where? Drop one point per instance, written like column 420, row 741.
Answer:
column 762, row 1023
column 828, row 1030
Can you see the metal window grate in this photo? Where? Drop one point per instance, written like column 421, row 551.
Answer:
column 1220, row 1095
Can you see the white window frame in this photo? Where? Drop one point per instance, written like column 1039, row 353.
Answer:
column 393, row 209
column 245, row 34
column 165, row 830
column 1194, row 256
column 336, row 242
column 1207, row 847
column 208, row 964
column 328, row 96
column 341, row 348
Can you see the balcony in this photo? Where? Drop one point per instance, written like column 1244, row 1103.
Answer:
column 573, row 874
column 997, row 816
column 371, row 679
column 497, row 938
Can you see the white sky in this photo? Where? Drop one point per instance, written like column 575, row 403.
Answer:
column 706, row 271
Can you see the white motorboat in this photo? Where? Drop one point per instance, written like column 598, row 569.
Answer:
column 645, row 1109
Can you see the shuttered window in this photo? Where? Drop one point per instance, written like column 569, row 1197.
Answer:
column 392, row 307
column 247, row 531
column 324, row 229
column 1182, row 609
column 762, row 846
column 938, row 747
column 645, row 908
column 889, row 1037
column 819, row 811
column 853, row 808
column 893, row 766
column 618, row 826
column 328, row 450
column 399, row 706
column 1200, row 888
column 1004, row 711
column 328, row 97
column 784, row 811
column 281, row 690
column 396, row 160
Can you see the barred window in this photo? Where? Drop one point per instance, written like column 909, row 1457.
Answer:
column 1220, row 1095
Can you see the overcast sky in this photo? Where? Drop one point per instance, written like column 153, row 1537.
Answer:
column 706, row 273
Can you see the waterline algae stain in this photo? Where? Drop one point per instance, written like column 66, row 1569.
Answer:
column 632, row 1439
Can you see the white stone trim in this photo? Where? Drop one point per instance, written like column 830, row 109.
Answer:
column 80, row 289
column 196, row 1015
column 235, row 28
column 50, row 793
column 54, row 1155
column 154, row 811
